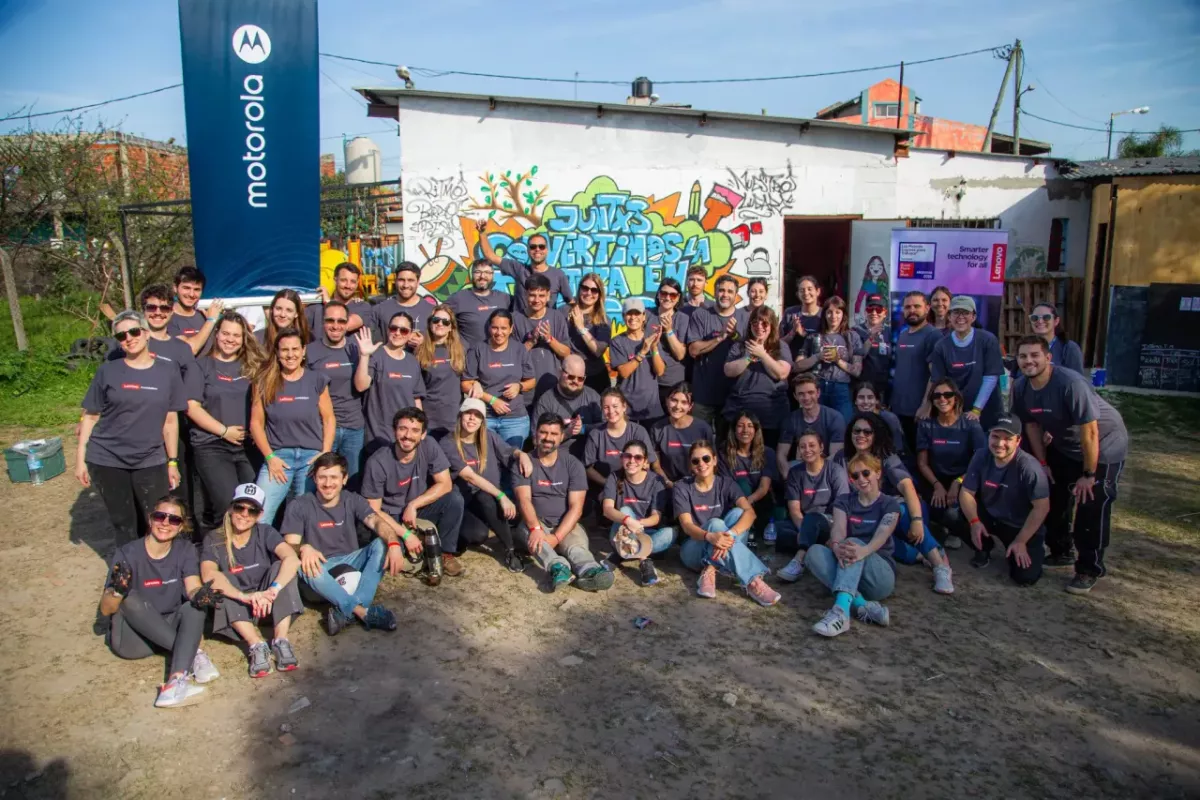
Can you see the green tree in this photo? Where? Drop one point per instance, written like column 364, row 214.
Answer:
column 1166, row 141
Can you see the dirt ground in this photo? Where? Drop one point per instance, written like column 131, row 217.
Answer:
column 493, row 688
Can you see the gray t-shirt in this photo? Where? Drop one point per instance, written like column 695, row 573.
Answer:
column 498, row 452
column 830, row 424
column 443, row 391
column 250, row 563
column 862, row 521
column 1007, row 493
column 968, row 365
column 338, row 365
column 560, row 286
column 897, row 431
column 913, row 351
column 602, row 334
column 719, row 500
column 674, row 443
column 640, row 388
column 172, row 351
column 471, row 311
column 640, row 498
column 585, row 405
column 186, row 324
column 816, row 493
column 710, row 387
column 133, row 405
column 381, row 315
column 546, row 365
column 387, row 478
column 395, row 384
column 294, row 418
column 495, row 370
column 848, row 345
column 950, row 447
column 225, row 395
column 158, row 581
column 333, row 530
column 894, row 472
column 1062, row 405
column 676, row 369
column 1065, row 353
column 603, row 450
column 757, row 391
column 550, row 486
column 743, row 469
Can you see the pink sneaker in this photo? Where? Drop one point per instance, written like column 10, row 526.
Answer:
column 707, row 587
column 761, row 593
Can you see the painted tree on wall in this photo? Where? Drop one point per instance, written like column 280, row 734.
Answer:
column 512, row 196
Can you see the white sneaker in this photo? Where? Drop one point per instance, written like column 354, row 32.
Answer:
column 178, row 692
column 834, row 622
column 942, row 582
column 792, row 572
column 875, row 612
column 203, row 669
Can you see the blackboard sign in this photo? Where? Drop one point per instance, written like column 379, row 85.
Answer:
column 1170, row 349
column 1169, row 368
column 1126, row 326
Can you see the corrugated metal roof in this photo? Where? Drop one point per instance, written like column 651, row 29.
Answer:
column 1118, row 167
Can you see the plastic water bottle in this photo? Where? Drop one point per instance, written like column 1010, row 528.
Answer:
column 769, row 533
column 34, row 464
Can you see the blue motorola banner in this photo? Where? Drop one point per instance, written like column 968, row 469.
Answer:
column 251, row 99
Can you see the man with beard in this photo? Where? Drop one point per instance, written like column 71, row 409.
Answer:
column 694, row 284
column 538, row 244
column 1086, row 455
column 345, row 291
column 473, row 305
column 543, row 331
column 574, row 402
column 407, row 279
column 186, row 322
column 710, row 336
column 335, row 355
column 910, row 384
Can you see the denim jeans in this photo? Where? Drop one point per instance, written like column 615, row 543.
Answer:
column 514, row 430
column 349, row 442
column 837, row 396
column 873, row 577
column 572, row 552
column 904, row 551
column 814, row 529
column 368, row 561
column 739, row 561
column 296, row 481
column 661, row 539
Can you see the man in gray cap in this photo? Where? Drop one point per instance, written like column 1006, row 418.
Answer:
column 970, row 357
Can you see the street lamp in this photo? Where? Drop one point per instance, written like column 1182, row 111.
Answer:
column 1115, row 114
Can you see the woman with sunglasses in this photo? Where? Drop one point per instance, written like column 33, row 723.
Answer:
column 150, row 583
column 760, row 367
column 1063, row 352
column 335, row 355
column 636, row 357
column 714, row 514
column 221, row 413
column 836, row 355
column 857, row 565
column 812, row 487
column 939, row 309
column 876, row 343
column 129, row 433
column 751, row 465
column 868, row 433
column 476, row 454
column 867, row 400
column 674, row 435
column 634, row 500
column 756, row 293
column 602, row 453
column 500, row 373
column 946, row 442
column 671, row 321
column 249, row 562
column 591, row 331
column 443, row 358
column 286, row 312
column 291, row 422
column 390, row 378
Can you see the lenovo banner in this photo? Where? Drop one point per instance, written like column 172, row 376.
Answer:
column 250, row 94
column 964, row 260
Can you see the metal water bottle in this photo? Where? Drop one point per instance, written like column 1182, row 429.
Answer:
column 433, row 557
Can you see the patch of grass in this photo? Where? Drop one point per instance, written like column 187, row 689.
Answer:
column 1147, row 414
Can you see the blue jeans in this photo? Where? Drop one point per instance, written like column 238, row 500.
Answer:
column 368, row 561
column 814, row 529
column 296, row 481
column 661, row 539
column 837, row 396
column 514, row 430
column 873, row 577
column 349, row 442
column 739, row 561
column 904, row 551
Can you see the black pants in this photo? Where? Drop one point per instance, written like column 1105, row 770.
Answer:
column 129, row 496
column 481, row 513
column 137, row 629
column 949, row 517
column 1024, row 576
column 447, row 514
column 1092, row 519
column 222, row 467
column 909, row 426
column 598, row 381
column 287, row 604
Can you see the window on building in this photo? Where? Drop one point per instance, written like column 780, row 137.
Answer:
column 1056, row 259
column 887, row 110
column 985, row 223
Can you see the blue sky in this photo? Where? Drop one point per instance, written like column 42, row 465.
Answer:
column 1085, row 57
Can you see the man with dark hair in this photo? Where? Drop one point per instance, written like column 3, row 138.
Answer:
column 411, row 481
column 538, row 245
column 408, row 279
column 322, row 525
column 710, row 336
column 914, row 348
column 550, row 502
column 543, row 331
column 335, row 355
column 345, row 290
column 574, row 402
column 186, row 322
column 1087, row 452
column 473, row 305
column 812, row 415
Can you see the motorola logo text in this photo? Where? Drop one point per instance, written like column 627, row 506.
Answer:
column 251, row 44
column 254, row 110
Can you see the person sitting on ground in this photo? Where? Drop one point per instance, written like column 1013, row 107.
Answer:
column 153, row 594
column 857, row 563
column 322, row 524
column 812, row 487
column 1006, row 495
column 249, row 562
column 715, row 515
column 636, row 357
column 946, row 442
column 575, row 402
column 828, row 422
column 475, row 454
column 674, row 436
column 751, row 465
column 550, row 500
column 602, row 453
column 635, row 501
column 866, row 398
column 411, row 482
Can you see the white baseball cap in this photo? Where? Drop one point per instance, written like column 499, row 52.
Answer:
column 473, row 404
column 250, row 492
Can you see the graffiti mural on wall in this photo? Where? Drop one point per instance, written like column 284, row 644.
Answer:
column 765, row 194
column 434, row 204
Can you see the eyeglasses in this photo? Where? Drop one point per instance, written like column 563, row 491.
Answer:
column 163, row 516
column 245, row 508
column 875, row 309
column 573, row 378
column 668, row 295
column 866, row 473
column 125, row 334
column 942, row 395
column 1040, row 317
column 698, row 460
column 589, row 290
column 960, row 312
column 336, row 320
column 635, row 457
column 399, row 329
column 537, row 247
column 154, row 308
column 439, row 321
column 863, row 432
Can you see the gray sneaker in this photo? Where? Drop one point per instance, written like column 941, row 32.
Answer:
column 875, row 612
column 203, row 670
column 285, row 658
column 178, row 692
column 942, row 580
column 260, row 660
column 834, row 622
column 952, row 542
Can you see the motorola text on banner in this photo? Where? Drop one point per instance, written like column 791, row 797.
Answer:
column 251, row 99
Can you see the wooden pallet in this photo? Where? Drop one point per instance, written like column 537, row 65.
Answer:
column 1022, row 294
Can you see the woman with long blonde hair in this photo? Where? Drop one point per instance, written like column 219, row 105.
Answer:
column 285, row 312
column 442, row 357
column 591, row 332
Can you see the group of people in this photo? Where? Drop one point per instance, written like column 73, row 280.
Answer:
column 704, row 422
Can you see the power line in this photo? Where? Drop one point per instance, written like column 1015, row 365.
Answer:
column 360, row 133
column 1042, row 85
column 91, row 105
column 1099, row 130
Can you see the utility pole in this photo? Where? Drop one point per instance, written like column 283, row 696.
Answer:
column 1018, row 57
column 987, row 139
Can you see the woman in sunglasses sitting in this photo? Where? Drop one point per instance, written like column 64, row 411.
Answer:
column 249, row 562
column 946, row 441
column 1046, row 323
column 129, row 434
column 442, row 357
column 390, row 377
column 715, row 515
column 635, row 501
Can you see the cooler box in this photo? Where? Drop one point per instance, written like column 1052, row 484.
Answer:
column 48, row 450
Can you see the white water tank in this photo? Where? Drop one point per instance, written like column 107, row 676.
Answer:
column 364, row 164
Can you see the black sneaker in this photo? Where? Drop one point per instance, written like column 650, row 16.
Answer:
column 334, row 621
column 513, row 562
column 596, row 579
column 649, row 573
column 1081, row 584
column 1066, row 559
column 981, row 559
column 379, row 619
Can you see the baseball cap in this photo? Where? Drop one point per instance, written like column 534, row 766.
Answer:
column 249, row 492
column 473, row 404
column 1010, row 425
column 963, row 302
column 875, row 300
column 633, row 546
column 633, row 304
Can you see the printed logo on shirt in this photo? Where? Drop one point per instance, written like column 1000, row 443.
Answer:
column 190, row 331
column 162, row 358
column 741, row 473
column 498, row 365
column 946, row 441
column 962, row 364
column 437, row 361
column 904, row 346
column 139, row 387
column 675, row 445
column 335, row 364
column 809, row 492
column 472, row 463
column 861, row 521
column 225, row 378
column 631, row 501
column 544, row 483
column 715, row 507
column 403, row 483
column 612, row 452
column 994, row 485
column 329, row 524
column 399, row 376
column 485, row 308
column 1039, row 411
column 154, row 583
column 242, row 568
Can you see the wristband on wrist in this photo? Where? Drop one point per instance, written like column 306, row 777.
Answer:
column 916, row 519
column 492, row 400
column 269, row 456
column 275, row 585
column 1042, row 461
column 973, row 521
column 625, row 519
column 976, row 410
column 670, row 333
column 225, row 431
column 389, row 544
column 172, row 462
column 959, row 480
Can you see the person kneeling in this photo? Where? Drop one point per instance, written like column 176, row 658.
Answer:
column 1006, row 496
column 857, row 563
column 322, row 525
column 635, row 501
column 156, row 600
column 250, row 563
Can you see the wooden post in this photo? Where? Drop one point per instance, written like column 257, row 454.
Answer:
column 123, row 263
column 14, row 301
column 987, row 139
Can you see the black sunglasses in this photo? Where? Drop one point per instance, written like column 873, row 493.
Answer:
column 439, row 321
column 866, row 473
column 698, row 460
column 153, row 308
column 589, row 290
column 125, row 334
column 573, row 378
column 942, row 395
column 537, row 247
column 246, row 508
column 863, row 432
column 399, row 329
column 163, row 516
column 336, row 320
